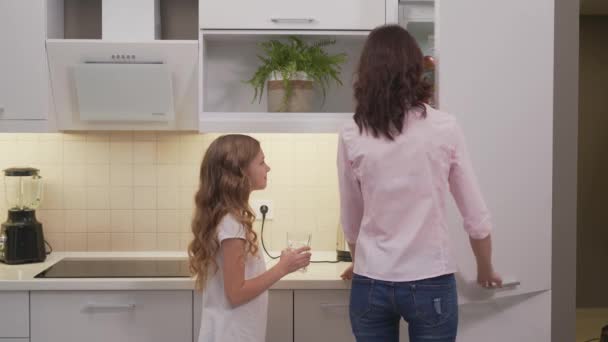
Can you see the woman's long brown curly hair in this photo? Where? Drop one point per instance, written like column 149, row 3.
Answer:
column 224, row 189
column 389, row 81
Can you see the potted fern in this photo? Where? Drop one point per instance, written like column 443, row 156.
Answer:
column 290, row 68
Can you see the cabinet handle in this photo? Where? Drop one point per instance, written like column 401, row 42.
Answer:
column 507, row 285
column 293, row 20
column 326, row 306
column 98, row 306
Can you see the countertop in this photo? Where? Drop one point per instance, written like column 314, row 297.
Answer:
column 21, row 277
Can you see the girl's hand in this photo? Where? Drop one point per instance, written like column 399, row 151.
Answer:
column 294, row 259
column 487, row 278
column 348, row 273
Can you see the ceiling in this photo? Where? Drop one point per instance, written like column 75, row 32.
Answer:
column 594, row 7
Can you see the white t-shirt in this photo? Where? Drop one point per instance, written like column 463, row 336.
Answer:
column 220, row 322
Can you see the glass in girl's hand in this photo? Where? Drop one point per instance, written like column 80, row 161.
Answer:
column 297, row 240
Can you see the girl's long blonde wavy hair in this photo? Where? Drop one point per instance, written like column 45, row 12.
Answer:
column 224, row 189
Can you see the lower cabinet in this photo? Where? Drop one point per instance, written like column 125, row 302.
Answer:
column 14, row 316
column 280, row 315
column 118, row 316
column 322, row 315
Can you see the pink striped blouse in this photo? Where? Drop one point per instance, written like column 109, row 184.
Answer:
column 392, row 196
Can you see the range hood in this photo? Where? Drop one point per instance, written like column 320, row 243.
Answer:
column 101, row 85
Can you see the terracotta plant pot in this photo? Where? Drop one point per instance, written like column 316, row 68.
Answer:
column 301, row 99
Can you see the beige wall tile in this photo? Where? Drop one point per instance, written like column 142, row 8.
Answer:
column 97, row 174
column 76, row 242
column 121, row 152
column 168, row 152
column 74, row 151
column 144, row 197
column 144, row 221
column 168, row 221
column 52, row 197
column 98, row 152
column 51, row 152
column 168, row 175
column 98, row 197
column 75, row 221
column 56, row 240
column 98, row 221
column 53, row 221
column 144, row 241
column 144, row 152
column 121, row 197
column 121, row 221
column 74, row 197
column 168, row 242
column 99, row 242
column 74, row 174
column 145, row 174
column 168, row 198
column 122, row 241
column 100, row 184
column 121, row 175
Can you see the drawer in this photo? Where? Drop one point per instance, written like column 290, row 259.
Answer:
column 134, row 316
column 14, row 314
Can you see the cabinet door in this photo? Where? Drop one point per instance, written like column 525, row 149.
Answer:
column 14, row 314
column 24, row 83
column 280, row 316
column 321, row 315
column 292, row 14
column 99, row 316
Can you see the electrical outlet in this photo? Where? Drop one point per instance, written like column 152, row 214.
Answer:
column 256, row 204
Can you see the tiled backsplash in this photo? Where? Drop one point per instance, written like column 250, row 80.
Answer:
column 128, row 191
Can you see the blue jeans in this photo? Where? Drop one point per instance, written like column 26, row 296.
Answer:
column 429, row 306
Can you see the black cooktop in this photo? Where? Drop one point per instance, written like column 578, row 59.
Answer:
column 117, row 268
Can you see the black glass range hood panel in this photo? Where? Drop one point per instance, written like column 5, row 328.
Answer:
column 117, row 268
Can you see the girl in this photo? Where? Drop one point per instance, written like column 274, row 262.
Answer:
column 396, row 161
column 224, row 254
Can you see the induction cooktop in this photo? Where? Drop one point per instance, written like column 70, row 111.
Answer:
column 117, row 268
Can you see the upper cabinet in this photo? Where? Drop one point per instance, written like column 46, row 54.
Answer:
column 292, row 14
column 24, row 83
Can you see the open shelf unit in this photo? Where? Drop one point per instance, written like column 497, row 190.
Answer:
column 229, row 57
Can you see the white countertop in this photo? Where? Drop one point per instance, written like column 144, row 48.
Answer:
column 21, row 277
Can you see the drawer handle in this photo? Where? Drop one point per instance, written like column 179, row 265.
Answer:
column 326, row 306
column 293, row 20
column 98, row 306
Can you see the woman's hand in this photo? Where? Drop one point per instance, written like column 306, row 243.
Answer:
column 487, row 278
column 348, row 273
column 294, row 259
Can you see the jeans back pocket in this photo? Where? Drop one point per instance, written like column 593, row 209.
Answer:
column 435, row 303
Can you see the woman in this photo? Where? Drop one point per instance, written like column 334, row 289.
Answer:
column 397, row 160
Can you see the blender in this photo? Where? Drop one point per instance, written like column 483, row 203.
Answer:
column 21, row 237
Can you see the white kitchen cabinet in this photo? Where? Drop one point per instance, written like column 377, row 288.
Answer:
column 133, row 316
column 321, row 315
column 14, row 339
column 280, row 316
column 24, row 82
column 292, row 14
column 14, row 315
column 228, row 58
